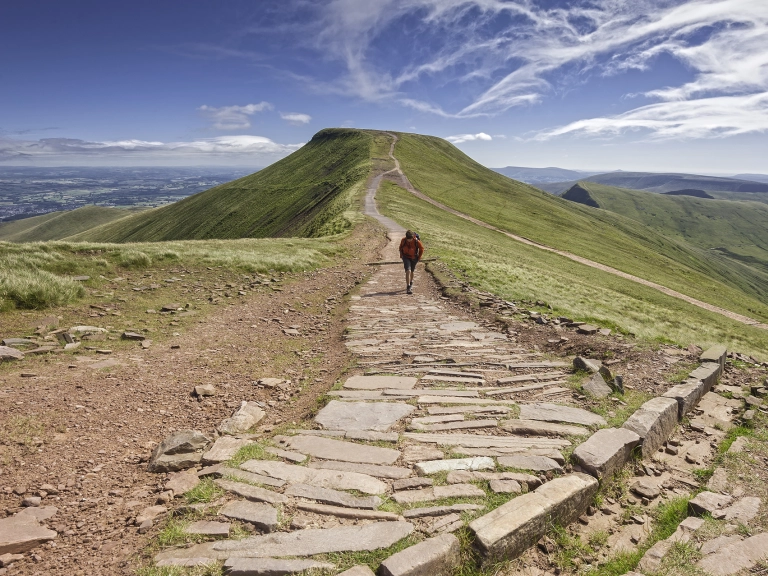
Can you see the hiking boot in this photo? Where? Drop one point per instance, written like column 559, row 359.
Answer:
column 409, row 291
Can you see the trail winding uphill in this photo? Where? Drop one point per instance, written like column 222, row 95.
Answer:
column 403, row 179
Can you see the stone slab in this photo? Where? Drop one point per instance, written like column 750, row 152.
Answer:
column 325, row 478
column 436, row 392
column 461, row 400
column 224, row 449
column 717, row 353
column 179, row 451
column 437, row 556
column 251, row 492
column 441, row 510
column 323, row 541
column 344, row 512
column 458, row 379
column 334, row 497
column 497, row 409
column 410, row 483
column 358, row 571
column 510, row 529
column 596, row 387
column 737, row 556
column 687, row 395
column 378, row 416
column 540, row 428
column 21, row 532
column 250, row 477
column 606, row 451
column 437, row 492
column 654, row 422
column 481, row 441
column 271, row 566
column 8, row 353
column 339, row 450
column 246, row 417
column 557, row 413
column 708, row 373
column 708, row 503
column 462, row 476
column 286, row 454
column 459, row 425
column 182, row 482
column 434, row 466
column 260, row 514
column 391, row 472
column 208, row 528
column 380, row 382
column 742, row 511
column 525, row 462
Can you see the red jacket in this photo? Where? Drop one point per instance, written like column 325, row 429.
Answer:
column 412, row 249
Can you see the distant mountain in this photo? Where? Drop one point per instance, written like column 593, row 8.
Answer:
column 669, row 182
column 753, row 177
column 690, row 192
column 541, row 175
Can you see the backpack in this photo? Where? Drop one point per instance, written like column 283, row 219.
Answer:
column 411, row 247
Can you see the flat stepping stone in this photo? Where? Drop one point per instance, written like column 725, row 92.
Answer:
column 338, row 480
column 419, row 452
column 480, row 441
column 435, row 392
column 461, row 425
column 438, row 492
column 735, row 557
column 458, row 373
column 358, row 571
column 250, row 477
column 345, row 512
column 251, row 492
column 445, row 524
column 436, row 556
column 324, row 541
column 516, row 365
column 22, row 532
column 517, row 389
column 457, row 326
column 441, row 510
column 505, row 487
column 378, row 416
column 375, row 395
column 464, row 476
column 224, row 449
column 742, row 511
column 497, row 409
column 458, row 400
column 380, row 382
column 391, row 472
column 459, row 379
column 411, row 483
column 208, row 528
column 372, row 436
column 596, row 387
column 286, row 454
column 557, row 413
column 524, row 462
column 261, row 515
column 434, row 466
column 539, row 428
column 330, row 449
column 425, row 420
column 334, row 497
column 541, row 378
column 271, row 566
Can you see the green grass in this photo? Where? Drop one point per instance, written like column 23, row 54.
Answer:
column 212, row 570
column 59, row 225
column 303, row 195
column 492, row 262
column 253, row 451
column 205, row 492
column 445, row 174
column 733, row 229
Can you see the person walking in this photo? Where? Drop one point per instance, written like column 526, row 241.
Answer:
column 411, row 251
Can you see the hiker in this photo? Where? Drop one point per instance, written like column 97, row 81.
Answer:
column 411, row 251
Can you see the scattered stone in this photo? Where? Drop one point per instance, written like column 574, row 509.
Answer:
column 344, row 512
column 586, row 365
column 334, row 497
column 272, row 566
column 738, row 445
column 182, row 482
column 173, row 307
column 251, row 492
column 246, row 417
column 87, row 330
column 525, row 462
column 708, row 503
column 179, row 451
column 8, row 559
column 133, row 336
column 646, row 489
column 8, row 353
column 743, row 510
column 654, row 422
column 596, row 386
column 437, row 556
column 22, row 532
column 204, row 390
column 31, row 501
column 208, row 528
column 517, row 525
column 505, row 487
column 343, row 451
column 286, row 454
column 224, row 449
column 323, row 541
column 719, row 480
column 557, row 413
column 434, row 466
column 606, row 451
column 411, row 483
column 737, row 556
column 379, row 416
column 441, row 510
column 260, row 514
column 325, row 478
column 150, row 513
column 380, row 382
column 712, row 546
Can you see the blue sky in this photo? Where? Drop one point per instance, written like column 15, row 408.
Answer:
column 654, row 85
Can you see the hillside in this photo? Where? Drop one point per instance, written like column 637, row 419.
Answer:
column 668, row 182
column 734, row 229
column 303, row 195
column 58, row 225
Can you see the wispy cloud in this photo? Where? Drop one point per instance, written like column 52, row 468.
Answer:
column 245, row 149
column 461, row 138
column 296, row 118
column 233, row 117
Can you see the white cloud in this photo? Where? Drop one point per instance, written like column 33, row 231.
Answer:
column 296, row 118
column 251, row 150
column 233, row 117
column 461, row 138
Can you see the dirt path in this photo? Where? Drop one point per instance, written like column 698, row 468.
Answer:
column 403, row 179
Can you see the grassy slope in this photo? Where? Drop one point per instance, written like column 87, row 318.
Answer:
column 446, row 174
column 498, row 264
column 59, row 225
column 304, row 194
column 735, row 229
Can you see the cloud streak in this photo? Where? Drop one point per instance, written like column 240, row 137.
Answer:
column 461, row 138
column 296, row 118
column 233, row 117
